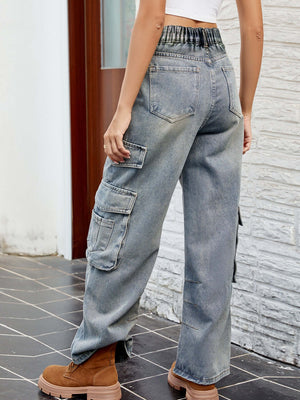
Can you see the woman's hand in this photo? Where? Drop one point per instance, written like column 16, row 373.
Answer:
column 247, row 133
column 113, row 137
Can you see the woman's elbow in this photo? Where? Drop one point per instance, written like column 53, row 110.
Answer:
column 156, row 20
column 256, row 30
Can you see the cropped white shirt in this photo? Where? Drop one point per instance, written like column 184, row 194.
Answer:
column 200, row 10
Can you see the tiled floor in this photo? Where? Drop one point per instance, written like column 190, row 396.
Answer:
column 41, row 303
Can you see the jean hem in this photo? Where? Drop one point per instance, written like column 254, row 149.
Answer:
column 123, row 352
column 202, row 381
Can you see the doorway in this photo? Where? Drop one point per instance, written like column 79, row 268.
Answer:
column 96, row 73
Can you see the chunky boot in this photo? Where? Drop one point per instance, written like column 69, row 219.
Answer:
column 193, row 390
column 97, row 377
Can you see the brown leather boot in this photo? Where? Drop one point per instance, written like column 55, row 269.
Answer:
column 193, row 390
column 97, row 377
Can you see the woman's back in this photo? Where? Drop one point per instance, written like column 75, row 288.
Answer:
column 201, row 10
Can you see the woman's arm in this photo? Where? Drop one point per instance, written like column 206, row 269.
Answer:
column 145, row 34
column 251, row 29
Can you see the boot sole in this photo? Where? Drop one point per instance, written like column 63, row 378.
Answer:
column 192, row 394
column 112, row 392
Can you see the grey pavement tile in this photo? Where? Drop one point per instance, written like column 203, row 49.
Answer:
column 148, row 342
column 20, row 390
column 259, row 389
column 62, row 306
column 59, row 341
column 74, row 290
column 21, row 310
column 38, row 326
column 155, row 388
column 20, row 345
column 36, row 297
column 137, row 368
column 261, row 366
column 153, row 323
column 163, row 358
column 32, row 367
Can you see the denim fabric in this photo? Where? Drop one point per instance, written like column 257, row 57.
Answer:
column 187, row 125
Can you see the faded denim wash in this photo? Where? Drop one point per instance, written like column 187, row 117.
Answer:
column 187, row 125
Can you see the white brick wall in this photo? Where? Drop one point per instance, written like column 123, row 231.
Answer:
column 265, row 316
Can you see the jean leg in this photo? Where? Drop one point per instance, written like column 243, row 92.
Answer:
column 131, row 202
column 211, row 186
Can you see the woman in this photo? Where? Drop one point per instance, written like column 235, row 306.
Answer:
column 179, row 117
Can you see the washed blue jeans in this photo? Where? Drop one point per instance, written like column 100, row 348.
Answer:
column 186, row 126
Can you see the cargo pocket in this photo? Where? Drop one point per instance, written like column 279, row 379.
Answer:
column 240, row 222
column 173, row 91
column 137, row 155
column 108, row 225
column 234, row 100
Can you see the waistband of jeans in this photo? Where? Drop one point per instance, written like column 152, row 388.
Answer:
column 186, row 34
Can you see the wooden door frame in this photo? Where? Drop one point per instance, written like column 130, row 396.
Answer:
column 93, row 99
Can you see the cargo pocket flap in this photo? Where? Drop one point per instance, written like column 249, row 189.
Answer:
column 110, row 198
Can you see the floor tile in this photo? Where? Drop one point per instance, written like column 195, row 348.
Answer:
column 5, row 330
column 21, row 310
column 32, row 367
column 75, row 317
column 32, row 272
column 9, row 285
column 236, row 376
column 172, row 332
column 261, row 366
column 163, row 358
column 39, row 326
column 62, row 306
column 138, row 329
column 153, row 323
column 18, row 261
column 148, row 342
column 293, row 383
column 259, row 390
column 24, row 346
column 127, row 395
column 60, row 279
column 59, row 341
column 20, row 390
column 155, row 388
column 74, row 290
column 38, row 296
column 137, row 368
column 4, row 298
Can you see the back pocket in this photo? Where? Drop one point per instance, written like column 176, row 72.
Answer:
column 108, row 225
column 234, row 100
column 173, row 91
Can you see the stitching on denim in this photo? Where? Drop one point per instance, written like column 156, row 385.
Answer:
column 190, row 326
column 225, row 69
column 142, row 150
column 180, row 55
column 212, row 101
column 118, row 189
column 207, row 380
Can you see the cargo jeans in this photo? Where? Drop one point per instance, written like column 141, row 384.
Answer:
column 187, row 126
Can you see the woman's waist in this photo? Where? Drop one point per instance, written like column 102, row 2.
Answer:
column 183, row 21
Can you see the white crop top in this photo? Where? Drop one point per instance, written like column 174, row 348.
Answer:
column 200, row 10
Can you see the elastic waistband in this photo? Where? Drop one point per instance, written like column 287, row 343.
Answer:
column 186, row 34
